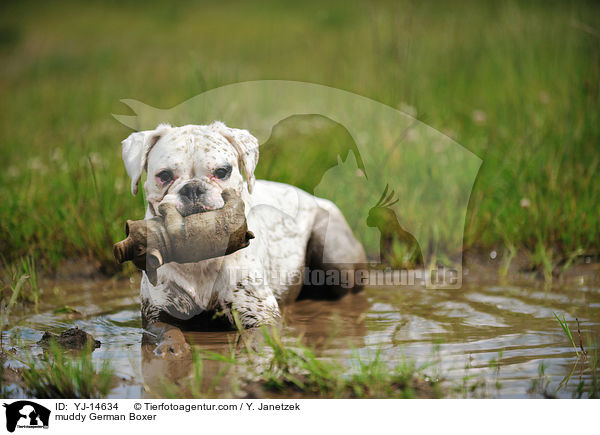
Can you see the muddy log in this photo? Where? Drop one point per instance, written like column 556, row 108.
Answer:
column 174, row 238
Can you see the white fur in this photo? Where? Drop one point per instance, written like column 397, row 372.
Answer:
column 280, row 216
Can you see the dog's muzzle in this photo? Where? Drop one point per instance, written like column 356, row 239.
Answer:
column 194, row 198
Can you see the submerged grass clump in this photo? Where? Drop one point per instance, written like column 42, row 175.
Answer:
column 7, row 306
column 285, row 367
column 295, row 366
column 64, row 375
column 375, row 378
column 592, row 388
column 567, row 331
column 274, row 366
column 21, row 274
column 20, row 287
column 586, row 368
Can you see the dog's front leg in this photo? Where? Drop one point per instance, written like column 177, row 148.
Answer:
column 168, row 339
column 250, row 307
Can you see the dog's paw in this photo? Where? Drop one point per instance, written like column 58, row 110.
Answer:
column 172, row 349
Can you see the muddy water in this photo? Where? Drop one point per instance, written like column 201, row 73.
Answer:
column 461, row 331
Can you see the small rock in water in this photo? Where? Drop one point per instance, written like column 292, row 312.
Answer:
column 73, row 338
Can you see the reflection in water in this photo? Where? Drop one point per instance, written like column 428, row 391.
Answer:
column 457, row 328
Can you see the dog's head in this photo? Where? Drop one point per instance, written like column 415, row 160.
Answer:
column 190, row 166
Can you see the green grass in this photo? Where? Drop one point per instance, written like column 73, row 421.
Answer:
column 20, row 281
column 592, row 388
column 565, row 327
column 272, row 365
column 20, row 286
column 58, row 374
column 518, row 83
column 587, row 361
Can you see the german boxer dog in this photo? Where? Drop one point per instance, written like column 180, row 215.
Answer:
column 295, row 233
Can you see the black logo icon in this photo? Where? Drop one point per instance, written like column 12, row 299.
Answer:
column 26, row 414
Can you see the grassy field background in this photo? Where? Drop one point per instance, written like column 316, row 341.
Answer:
column 517, row 83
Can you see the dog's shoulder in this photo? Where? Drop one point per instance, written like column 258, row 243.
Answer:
column 286, row 198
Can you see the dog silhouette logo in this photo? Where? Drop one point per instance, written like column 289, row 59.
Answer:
column 26, row 414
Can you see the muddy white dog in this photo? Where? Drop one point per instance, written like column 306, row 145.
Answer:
column 190, row 166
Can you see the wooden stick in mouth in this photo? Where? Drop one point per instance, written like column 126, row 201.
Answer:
column 174, row 238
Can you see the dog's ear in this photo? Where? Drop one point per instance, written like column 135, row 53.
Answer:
column 246, row 147
column 135, row 152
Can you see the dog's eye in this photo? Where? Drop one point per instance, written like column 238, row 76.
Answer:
column 223, row 172
column 165, row 176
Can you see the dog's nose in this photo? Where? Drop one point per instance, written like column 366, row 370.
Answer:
column 192, row 191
